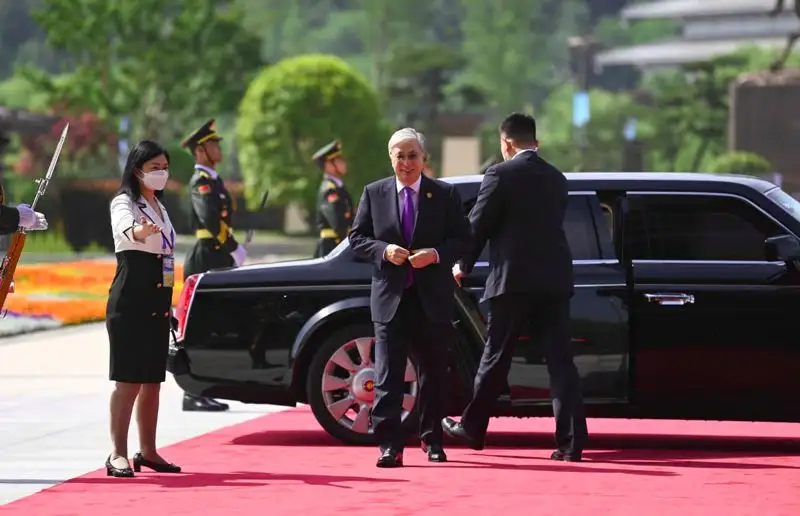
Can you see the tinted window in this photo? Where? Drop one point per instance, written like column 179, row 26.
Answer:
column 697, row 227
column 786, row 201
column 578, row 225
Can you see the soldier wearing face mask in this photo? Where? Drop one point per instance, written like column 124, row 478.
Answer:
column 212, row 218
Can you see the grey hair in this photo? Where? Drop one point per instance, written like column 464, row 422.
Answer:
column 407, row 133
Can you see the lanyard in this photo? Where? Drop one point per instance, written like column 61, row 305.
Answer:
column 165, row 242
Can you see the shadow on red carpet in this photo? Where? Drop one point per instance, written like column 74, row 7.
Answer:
column 284, row 464
column 542, row 440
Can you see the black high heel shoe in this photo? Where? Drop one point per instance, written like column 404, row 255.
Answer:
column 158, row 467
column 113, row 471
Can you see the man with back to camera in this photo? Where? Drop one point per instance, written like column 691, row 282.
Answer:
column 520, row 212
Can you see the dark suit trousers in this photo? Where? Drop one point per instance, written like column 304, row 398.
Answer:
column 409, row 331
column 512, row 315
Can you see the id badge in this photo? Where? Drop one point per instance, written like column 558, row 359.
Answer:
column 168, row 271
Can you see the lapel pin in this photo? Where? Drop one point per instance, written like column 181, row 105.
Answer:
column 429, row 195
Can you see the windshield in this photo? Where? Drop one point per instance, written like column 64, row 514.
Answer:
column 783, row 199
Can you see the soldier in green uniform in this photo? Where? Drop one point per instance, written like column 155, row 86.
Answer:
column 211, row 217
column 334, row 205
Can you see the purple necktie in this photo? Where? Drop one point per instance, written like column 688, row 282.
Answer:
column 408, row 226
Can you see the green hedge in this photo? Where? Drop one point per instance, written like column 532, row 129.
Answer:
column 738, row 162
column 295, row 107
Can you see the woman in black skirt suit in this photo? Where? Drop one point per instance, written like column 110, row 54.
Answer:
column 138, row 310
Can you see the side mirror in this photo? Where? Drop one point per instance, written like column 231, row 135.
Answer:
column 784, row 248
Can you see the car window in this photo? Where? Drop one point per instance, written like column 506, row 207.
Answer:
column 786, row 201
column 697, row 227
column 579, row 227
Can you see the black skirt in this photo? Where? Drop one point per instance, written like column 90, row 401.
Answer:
column 138, row 319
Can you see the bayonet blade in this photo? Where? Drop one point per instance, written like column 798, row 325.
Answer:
column 46, row 180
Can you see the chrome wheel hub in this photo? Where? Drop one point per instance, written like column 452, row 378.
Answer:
column 348, row 385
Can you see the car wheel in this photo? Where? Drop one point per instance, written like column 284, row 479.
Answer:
column 341, row 386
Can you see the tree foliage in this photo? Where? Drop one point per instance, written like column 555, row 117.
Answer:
column 89, row 151
column 160, row 62
column 295, row 107
column 604, row 138
column 517, row 50
column 690, row 109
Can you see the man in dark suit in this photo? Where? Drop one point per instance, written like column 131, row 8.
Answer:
column 412, row 229
column 520, row 211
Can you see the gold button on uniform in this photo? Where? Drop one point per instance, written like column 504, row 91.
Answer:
column 153, row 314
column 159, row 285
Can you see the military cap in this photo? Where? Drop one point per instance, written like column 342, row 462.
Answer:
column 327, row 152
column 206, row 133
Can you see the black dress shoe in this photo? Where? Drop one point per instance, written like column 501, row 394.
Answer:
column 456, row 430
column 435, row 452
column 390, row 458
column 158, row 467
column 566, row 456
column 199, row 404
column 113, row 471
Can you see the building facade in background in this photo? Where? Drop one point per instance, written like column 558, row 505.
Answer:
column 709, row 28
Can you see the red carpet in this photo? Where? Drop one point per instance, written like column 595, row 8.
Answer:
column 284, row 464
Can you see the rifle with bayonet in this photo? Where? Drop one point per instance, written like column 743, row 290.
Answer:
column 9, row 265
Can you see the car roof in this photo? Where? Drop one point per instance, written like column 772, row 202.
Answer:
column 663, row 181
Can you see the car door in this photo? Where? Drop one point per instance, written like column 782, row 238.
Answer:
column 599, row 324
column 713, row 325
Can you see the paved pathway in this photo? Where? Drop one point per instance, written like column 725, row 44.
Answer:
column 54, row 409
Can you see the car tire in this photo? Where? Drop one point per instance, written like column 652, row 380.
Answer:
column 342, row 429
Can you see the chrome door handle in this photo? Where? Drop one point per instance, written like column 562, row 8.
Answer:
column 670, row 299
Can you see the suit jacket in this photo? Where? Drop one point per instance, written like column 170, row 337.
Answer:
column 520, row 212
column 440, row 224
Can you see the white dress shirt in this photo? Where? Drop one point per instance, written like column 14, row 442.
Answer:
column 125, row 216
column 338, row 182
column 211, row 171
column 519, row 153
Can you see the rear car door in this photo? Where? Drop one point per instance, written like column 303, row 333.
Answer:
column 713, row 322
column 599, row 324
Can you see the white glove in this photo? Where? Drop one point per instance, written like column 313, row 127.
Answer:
column 239, row 255
column 31, row 220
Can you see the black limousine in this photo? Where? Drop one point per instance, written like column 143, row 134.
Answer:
column 687, row 286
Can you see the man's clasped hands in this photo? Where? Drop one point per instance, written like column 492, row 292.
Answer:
column 417, row 258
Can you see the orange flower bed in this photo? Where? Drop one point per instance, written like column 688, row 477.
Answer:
column 69, row 292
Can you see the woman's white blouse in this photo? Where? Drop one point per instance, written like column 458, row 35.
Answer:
column 127, row 213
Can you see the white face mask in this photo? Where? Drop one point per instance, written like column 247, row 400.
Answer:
column 155, row 180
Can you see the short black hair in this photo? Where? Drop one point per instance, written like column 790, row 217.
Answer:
column 140, row 154
column 519, row 127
